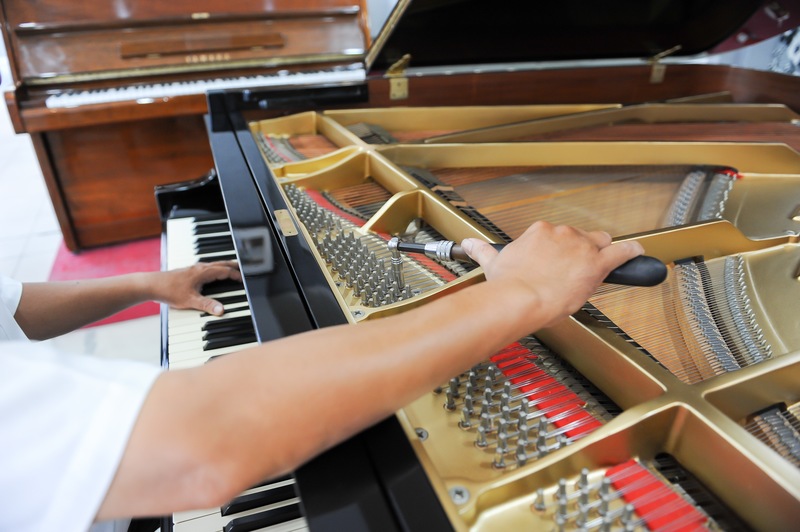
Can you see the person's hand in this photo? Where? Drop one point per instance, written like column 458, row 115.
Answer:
column 557, row 267
column 181, row 288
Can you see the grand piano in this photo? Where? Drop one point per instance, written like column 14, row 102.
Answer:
column 669, row 407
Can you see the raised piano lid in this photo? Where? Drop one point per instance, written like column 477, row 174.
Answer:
column 575, row 33
column 52, row 41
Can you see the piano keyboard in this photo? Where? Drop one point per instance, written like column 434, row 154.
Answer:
column 186, row 88
column 196, row 337
column 193, row 339
column 271, row 506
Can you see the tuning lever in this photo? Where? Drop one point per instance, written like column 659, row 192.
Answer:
column 639, row 271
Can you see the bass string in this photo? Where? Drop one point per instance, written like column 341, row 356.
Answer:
column 674, row 322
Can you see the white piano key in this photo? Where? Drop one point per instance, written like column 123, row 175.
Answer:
column 185, row 337
column 213, row 520
column 186, row 320
column 217, row 523
column 191, row 360
column 191, row 344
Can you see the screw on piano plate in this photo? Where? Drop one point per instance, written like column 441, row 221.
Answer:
column 422, row 434
column 539, row 503
column 459, row 494
column 358, row 313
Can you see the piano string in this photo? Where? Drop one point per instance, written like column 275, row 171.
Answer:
column 779, row 428
column 703, row 321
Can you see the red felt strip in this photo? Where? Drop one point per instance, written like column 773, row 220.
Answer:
column 561, row 405
column 653, row 501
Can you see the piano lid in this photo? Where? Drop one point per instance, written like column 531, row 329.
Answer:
column 460, row 32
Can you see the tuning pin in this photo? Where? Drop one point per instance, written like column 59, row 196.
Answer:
column 466, row 418
column 583, row 481
column 480, row 440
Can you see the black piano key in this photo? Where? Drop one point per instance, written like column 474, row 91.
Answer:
column 264, row 519
column 230, row 256
column 241, row 305
column 206, row 245
column 225, row 322
column 219, row 287
column 229, row 331
column 229, row 341
column 213, row 247
column 235, row 302
column 237, row 298
column 206, row 229
column 213, row 240
column 259, row 498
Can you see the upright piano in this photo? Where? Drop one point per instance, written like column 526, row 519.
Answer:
column 668, row 408
column 113, row 93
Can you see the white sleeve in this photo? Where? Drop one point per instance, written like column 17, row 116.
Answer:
column 66, row 420
column 10, row 294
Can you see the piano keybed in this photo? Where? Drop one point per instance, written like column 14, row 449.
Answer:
column 525, row 439
column 195, row 338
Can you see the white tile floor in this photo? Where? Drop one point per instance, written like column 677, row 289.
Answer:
column 29, row 241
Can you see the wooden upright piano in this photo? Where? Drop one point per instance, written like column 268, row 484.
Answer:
column 113, row 94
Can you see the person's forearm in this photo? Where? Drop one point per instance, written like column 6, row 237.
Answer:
column 336, row 381
column 50, row 309
column 204, row 434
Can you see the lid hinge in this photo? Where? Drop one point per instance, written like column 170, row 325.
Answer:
column 657, row 68
column 398, row 82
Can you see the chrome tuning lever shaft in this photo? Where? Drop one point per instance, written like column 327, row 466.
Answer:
column 639, row 271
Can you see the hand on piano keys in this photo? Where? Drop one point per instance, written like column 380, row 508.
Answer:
column 183, row 288
column 205, row 247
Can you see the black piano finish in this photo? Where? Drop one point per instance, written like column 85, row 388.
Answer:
column 372, row 481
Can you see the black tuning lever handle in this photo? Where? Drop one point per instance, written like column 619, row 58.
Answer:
column 639, row 271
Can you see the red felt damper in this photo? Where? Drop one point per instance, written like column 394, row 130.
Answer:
column 561, row 405
column 138, row 256
column 654, row 501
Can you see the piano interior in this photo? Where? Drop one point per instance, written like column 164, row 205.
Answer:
column 653, row 407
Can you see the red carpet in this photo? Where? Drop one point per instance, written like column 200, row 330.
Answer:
column 138, row 256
